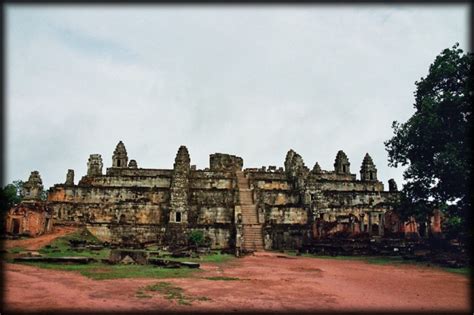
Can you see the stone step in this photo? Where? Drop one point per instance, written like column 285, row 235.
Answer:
column 253, row 245
column 252, row 230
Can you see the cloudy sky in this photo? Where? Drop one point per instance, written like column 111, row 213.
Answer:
column 253, row 81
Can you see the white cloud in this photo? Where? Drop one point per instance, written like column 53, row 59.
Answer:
column 251, row 81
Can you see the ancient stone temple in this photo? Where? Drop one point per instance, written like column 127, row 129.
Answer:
column 252, row 208
column 32, row 217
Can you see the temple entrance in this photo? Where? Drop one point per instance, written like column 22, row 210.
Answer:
column 15, row 226
column 375, row 229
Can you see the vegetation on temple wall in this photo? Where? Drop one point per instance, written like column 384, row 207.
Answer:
column 435, row 143
column 197, row 238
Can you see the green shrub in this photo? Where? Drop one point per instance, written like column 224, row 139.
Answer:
column 196, row 238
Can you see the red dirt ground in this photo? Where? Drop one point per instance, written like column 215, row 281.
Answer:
column 40, row 241
column 267, row 282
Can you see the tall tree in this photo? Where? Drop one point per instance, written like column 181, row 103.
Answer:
column 435, row 143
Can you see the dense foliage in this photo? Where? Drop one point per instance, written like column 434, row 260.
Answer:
column 197, row 238
column 10, row 195
column 435, row 143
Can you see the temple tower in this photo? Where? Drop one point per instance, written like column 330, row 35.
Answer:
column 94, row 165
column 368, row 172
column 33, row 188
column 316, row 169
column 120, row 158
column 132, row 164
column 392, row 185
column 70, row 178
column 180, row 187
column 341, row 164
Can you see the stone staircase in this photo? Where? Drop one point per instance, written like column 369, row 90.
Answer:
column 252, row 230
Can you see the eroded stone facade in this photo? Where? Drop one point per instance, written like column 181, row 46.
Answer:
column 32, row 217
column 293, row 204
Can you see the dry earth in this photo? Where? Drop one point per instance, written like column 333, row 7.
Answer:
column 40, row 241
column 267, row 282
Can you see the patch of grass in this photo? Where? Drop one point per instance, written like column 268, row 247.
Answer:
column 16, row 250
column 465, row 271
column 60, row 246
column 99, row 271
column 392, row 260
column 222, row 278
column 172, row 292
column 142, row 295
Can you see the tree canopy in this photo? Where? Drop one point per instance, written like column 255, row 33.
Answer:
column 11, row 195
column 435, row 143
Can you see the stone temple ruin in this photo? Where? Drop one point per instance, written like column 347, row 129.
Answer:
column 31, row 217
column 242, row 209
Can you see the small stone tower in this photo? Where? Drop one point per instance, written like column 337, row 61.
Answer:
column 288, row 160
column 341, row 164
column 94, row 165
column 368, row 172
column 70, row 178
column 294, row 164
column 120, row 158
column 180, row 187
column 33, row 188
column 132, row 164
column 316, row 169
column 392, row 185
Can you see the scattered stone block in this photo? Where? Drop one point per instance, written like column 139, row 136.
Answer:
column 66, row 260
column 138, row 256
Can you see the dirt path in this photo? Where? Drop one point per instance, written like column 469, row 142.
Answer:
column 266, row 283
column 40, row 241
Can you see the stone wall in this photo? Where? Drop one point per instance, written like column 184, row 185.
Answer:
column 29, row 218
column 165, row 205
column 225, row 162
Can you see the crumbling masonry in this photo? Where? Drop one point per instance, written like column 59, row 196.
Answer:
column 251, row 209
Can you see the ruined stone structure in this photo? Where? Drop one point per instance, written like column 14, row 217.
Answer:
column 266, row 208
column 32, row 217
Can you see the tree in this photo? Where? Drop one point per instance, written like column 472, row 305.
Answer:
column 435, row 143
column 11, row 194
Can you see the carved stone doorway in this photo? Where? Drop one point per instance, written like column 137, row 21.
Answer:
column 15, row 226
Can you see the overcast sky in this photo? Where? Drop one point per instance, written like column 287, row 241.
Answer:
column 253, row 81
